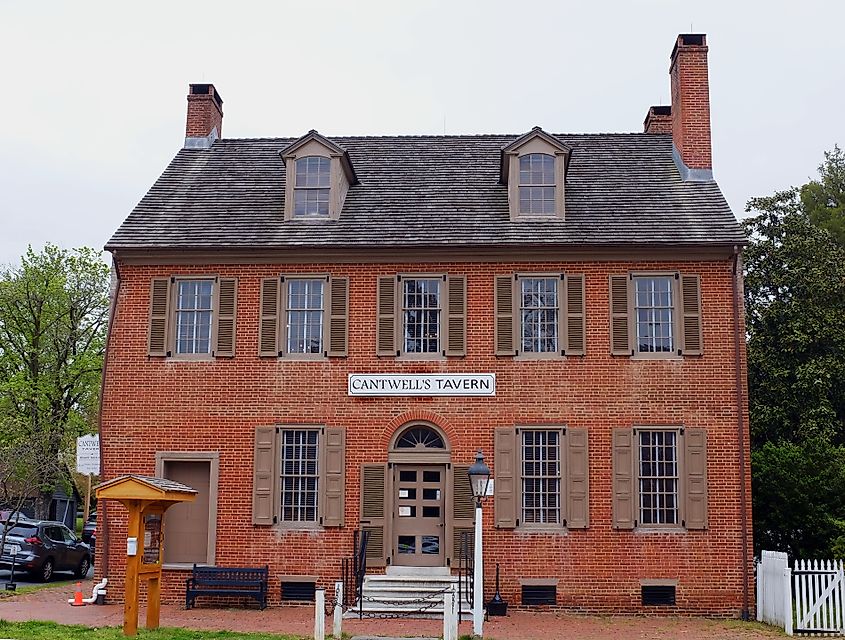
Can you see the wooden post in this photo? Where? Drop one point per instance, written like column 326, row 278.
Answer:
column 337, row 630
column 153, row 601
column 448, row 612
column 320, row 614
column 130, row 599
column 86, row 510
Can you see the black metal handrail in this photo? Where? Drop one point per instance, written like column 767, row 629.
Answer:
column 354, row 568
column 466, row 571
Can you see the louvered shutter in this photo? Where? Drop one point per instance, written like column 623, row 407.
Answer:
column 456, row 307
column 623, row 479
column 159, row 317
column 575, row 318
column 372, row 512
column 577, row 479
column 463, row 510
column 504, row 321
column 505, row 493
column 339, row 317
column 695, row 463
column 332, row 477
column 386, row 321
column 620, row 332
column 265, row 472
column 224, row 325
column 268, row 330
column 691, row 315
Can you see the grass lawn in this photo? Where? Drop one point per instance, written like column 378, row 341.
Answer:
column 29, row 588
column 53, row 631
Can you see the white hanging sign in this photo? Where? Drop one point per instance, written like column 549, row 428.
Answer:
column 422, row 384
column 88, row 454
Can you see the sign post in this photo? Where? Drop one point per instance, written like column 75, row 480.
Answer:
column 88, row 462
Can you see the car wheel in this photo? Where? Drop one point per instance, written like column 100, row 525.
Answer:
column 82, row 569
column 46, row 571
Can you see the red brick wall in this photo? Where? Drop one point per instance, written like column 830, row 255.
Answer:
column 154, row 404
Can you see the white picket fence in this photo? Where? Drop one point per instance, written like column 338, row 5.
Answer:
column 819, row 594
column 808, row 599
column 774, row 590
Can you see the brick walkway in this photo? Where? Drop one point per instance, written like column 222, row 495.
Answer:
column 50, row 604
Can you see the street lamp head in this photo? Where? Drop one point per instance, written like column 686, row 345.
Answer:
column 479, row 476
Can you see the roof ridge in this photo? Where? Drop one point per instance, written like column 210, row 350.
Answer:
column 427, row 136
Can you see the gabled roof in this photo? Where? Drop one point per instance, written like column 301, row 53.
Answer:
column 513, row 148
column 133, row 486
column 429, row 191
column 290, row 151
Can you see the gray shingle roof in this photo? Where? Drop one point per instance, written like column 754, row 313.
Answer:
column 429, row 191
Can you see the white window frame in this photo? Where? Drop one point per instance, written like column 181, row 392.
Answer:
column 679, row 478
column 173, row 339
column 561, row 477
column 544, row 185
column 305, row 189
column 300, row 523
column 286, row 319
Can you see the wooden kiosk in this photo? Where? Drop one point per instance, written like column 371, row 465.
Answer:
column 146, row 499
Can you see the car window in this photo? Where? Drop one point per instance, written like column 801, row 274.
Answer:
column 22, row 531
column 54, row 533
column 68, row 535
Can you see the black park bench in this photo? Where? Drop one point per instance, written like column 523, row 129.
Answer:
column 228, row 581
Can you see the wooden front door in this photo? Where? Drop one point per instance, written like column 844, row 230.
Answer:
column 419, row 532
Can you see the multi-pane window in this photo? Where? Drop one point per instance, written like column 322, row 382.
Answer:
column 193, row 316
column 537, row 184
column 421, row 314
column 658, row 477
column 653, row 308
column 299, row 475
column 305, row 315
column 312, row 186
column 541, row 476
column 539, row 307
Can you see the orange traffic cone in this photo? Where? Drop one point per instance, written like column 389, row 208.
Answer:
column 77, row 596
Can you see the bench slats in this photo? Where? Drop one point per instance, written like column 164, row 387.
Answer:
column 227, row 581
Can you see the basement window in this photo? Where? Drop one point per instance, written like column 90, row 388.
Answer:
column 298, row 590
column 539, row 594
column 657, row 595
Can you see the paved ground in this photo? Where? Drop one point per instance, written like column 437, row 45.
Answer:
column 49, row 604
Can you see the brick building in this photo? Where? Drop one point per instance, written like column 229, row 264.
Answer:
column 318, row 335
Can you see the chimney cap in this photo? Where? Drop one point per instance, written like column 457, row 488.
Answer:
column 206, row 89
column 689, row 40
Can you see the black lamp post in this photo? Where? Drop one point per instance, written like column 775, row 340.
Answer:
column 479, row 479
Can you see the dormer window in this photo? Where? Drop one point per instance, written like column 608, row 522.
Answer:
column 534, row 169
column 318, row 175
column 312, row 187
column 537, row 184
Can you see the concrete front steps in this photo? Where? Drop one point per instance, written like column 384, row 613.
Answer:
column 399, row 592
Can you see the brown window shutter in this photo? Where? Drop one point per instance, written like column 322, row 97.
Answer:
column 504, row 326
column 456, row 308
column 691, row 316
column 373, row 512
column 268, row 330
column 620, row 332
column 695, row 472
column 577, row 479
column 159, row 316
column 339, row 317
column 505, row 494
column 332, row 476
column 576, row 329
column 463, row 510
column 386, row 322
column 265, row 472
column 623, row 479
column 224, row 323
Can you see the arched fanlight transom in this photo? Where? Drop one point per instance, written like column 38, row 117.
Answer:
column 420, row 437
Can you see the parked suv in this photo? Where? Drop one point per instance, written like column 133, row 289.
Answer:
column 43, row 547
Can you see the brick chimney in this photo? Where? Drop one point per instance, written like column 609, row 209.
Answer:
column 205, row 116
column 690, row 110
column 658, row 120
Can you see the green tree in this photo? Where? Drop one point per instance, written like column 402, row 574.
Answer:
column 53, row 321
column 795, row 323
column 824, row 199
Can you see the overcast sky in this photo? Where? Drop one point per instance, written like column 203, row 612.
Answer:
column 92, row 94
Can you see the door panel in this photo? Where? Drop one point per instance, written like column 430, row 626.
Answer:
column 419, row 533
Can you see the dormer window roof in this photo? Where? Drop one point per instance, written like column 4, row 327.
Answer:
column 534, row 168
column 319, row 174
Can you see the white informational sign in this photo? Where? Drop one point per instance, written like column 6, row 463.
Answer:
column 422, row 384
column 88, row 455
